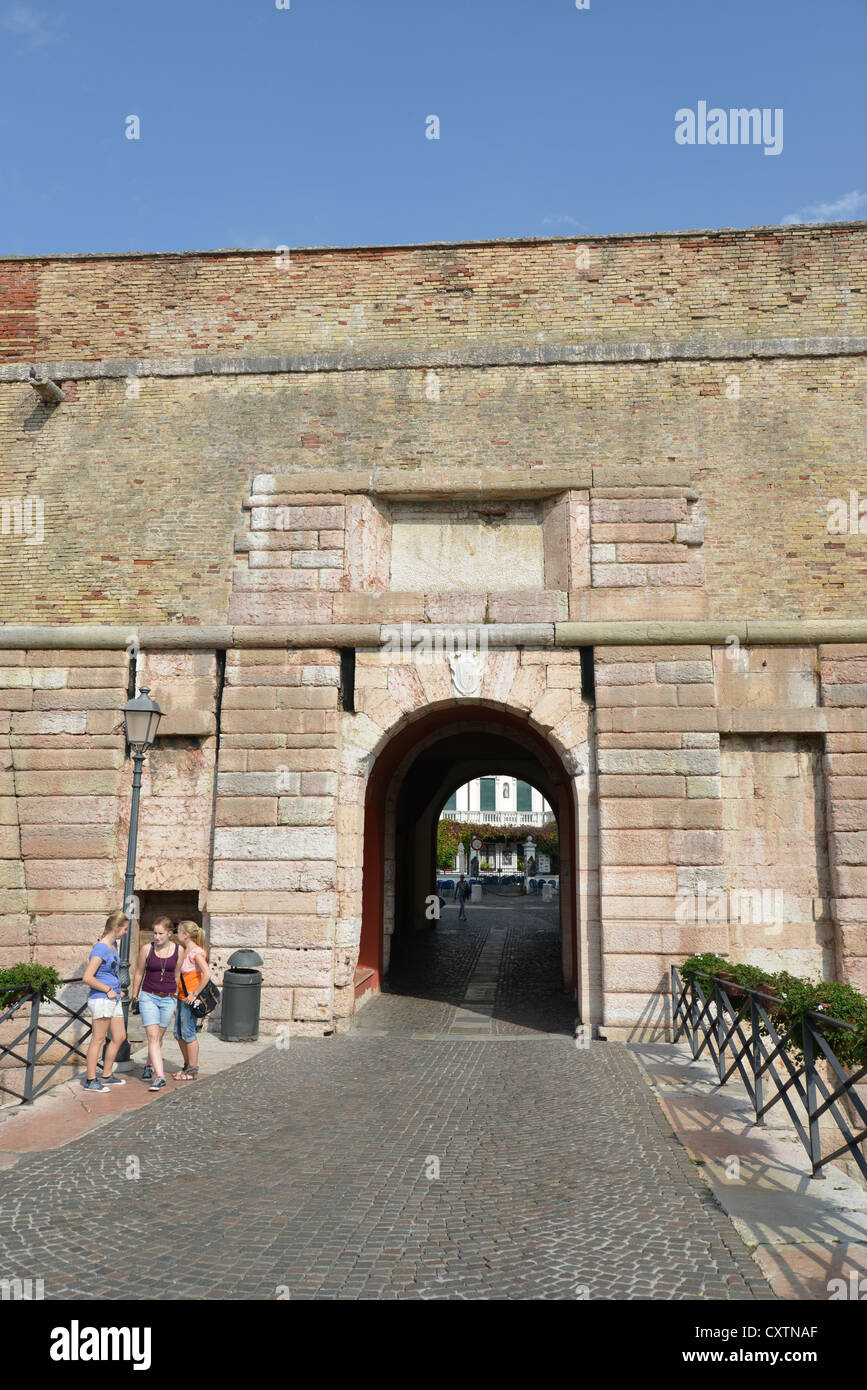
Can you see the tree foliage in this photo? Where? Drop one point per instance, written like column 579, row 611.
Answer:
column 451, row 832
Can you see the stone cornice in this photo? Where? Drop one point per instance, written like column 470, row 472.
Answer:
column 480, row 355
column 373, row 636
column 777, row 230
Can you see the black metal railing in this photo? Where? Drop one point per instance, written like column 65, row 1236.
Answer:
column 722, row 1032
column 29, row 1040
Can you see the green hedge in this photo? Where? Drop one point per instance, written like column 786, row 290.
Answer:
column 797, row 997
column 450, row 832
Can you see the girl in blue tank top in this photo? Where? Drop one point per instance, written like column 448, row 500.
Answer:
column 102, row 976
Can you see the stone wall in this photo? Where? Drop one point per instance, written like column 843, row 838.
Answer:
column 257, row 466
column 695, row 775
column 274, row 884
column 62, row 803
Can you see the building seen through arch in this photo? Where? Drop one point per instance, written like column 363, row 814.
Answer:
column 503, row 812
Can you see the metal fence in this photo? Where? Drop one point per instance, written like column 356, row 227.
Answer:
column 736, row 1025
column 28, row 1002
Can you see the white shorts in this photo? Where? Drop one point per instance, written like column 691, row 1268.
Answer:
column 105, row 1007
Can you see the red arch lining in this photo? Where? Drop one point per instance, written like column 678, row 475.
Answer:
column 373, row 874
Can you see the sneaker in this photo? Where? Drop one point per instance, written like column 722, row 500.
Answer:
column 148, row 1073
column 112, row 1081
column 158, row 1084
column 95, row 1085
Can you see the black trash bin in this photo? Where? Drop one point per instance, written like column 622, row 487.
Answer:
column 242, row 995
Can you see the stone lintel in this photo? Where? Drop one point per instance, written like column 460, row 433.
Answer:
column 420, row 484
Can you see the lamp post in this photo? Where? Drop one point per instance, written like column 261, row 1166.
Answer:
column 141, row 718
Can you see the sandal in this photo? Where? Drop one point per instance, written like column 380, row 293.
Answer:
column 182, row 1075
column 192, row 1073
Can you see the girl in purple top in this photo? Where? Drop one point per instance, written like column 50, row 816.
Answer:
column 106, row 1011
column 157, row 971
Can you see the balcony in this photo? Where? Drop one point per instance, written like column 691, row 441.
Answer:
column 499, row 817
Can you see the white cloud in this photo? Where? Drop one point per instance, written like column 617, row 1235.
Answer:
column 845, row 208
column 562, row 220
column 29, row 24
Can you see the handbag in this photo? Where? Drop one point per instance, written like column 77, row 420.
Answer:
column 208, row 999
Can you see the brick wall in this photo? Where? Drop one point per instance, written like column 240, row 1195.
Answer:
column 142, row 497
column 785, row 282
column 143, row 481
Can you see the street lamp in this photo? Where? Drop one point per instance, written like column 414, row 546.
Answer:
column 141, row 718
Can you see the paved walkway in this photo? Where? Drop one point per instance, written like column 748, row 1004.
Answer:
column 389, row 1163
column 65, row 1111
column 804, row 1232
column 497, row 974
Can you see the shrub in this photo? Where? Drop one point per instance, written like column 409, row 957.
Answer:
column 44, row 979
column 830, row 997
column 797, row 998
column 706, row 963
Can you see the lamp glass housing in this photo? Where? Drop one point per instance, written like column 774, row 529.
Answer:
column 141, row 717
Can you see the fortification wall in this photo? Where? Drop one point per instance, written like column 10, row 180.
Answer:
column 489, row 435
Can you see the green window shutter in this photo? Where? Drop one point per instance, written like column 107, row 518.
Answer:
column 452, row 803
column 487, row 794
column 524, row 797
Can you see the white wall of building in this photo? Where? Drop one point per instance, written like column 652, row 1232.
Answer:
column 505, row 812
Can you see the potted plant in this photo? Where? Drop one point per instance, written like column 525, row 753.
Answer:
column 730, row 985
column 753, row 977
column 771, row 998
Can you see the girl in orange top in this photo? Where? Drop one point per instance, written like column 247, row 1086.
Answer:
column 195, row 974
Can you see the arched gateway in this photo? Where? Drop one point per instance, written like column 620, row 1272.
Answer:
column 625, row 476
column 424, row 759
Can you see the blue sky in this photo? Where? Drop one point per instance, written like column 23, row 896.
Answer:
column 306, row 126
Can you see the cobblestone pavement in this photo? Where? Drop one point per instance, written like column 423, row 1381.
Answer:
column 385, row 1165
column 502, row 966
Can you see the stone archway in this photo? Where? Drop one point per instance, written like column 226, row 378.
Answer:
column 539, row 715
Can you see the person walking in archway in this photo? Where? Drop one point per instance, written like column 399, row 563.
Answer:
column 157, row 971
column 462, row 892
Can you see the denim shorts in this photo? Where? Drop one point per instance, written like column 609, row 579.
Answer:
column 185, row 1023
column 156, row 1008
